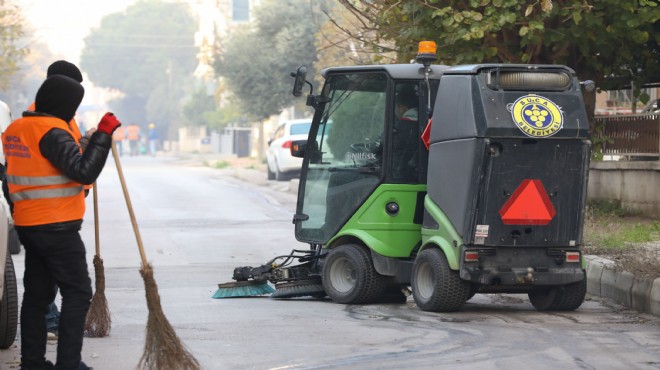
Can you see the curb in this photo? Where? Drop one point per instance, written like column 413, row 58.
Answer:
column 623, row 287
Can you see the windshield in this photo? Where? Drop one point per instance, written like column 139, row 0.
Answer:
column 344, row 161
column 300, row 128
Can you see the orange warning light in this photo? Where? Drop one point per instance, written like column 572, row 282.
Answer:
column 427, row 47
column 528, row 205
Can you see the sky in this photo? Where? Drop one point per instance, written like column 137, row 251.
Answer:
column 64, row 24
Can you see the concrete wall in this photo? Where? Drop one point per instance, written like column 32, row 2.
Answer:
column 636, row 184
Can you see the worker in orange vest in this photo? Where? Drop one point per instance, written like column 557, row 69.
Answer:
column 45, row 170
column 133, row 134
column 64, row 68
column 118, row 137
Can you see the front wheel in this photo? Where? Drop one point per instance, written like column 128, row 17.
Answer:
column 13, row 243
column 8, row 307
column 350, row 277
column 436, row 287
column 560, row 298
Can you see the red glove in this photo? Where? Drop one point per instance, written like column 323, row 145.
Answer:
column 108, row 123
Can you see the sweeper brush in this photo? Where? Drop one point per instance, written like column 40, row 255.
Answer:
column 243, row 289
column 290, row 280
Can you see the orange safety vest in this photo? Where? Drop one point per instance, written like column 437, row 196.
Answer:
column 72, row 124
column 133, row 132
column 119, row 134
column 40, row 192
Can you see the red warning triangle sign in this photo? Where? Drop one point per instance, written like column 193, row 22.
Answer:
column 528, row 205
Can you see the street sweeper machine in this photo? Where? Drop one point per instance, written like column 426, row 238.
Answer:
column 444, row 181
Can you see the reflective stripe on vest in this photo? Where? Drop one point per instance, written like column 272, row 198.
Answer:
column 37, row 181
column 48, row 193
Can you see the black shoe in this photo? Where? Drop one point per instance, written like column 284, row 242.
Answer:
column 46, row 366
column 83, row 366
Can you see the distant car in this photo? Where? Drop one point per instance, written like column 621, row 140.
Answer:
column 278, row 158
column 652, row 107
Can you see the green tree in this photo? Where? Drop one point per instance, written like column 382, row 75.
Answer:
column 256, row 62
column 147, row 53
column 11, row 31
column 609, row 41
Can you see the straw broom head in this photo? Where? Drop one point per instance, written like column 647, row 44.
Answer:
column 98, row 320
column 162, row 348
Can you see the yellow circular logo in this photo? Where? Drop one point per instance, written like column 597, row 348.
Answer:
column 537, row 116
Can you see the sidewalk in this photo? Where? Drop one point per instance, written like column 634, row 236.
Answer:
column 622, row 287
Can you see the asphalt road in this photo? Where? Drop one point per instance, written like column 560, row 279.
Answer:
column 198, row 223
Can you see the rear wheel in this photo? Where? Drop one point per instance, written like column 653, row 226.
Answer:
column 270, row 174
column 13, row 243
column 435, row 286
column 279, row 175
column 560, row 298
column 8, row 307
column 349, row 275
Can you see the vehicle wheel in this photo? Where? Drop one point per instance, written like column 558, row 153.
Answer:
column 13, row 243
column 560, row 298
column 349, row 275
column 435, row 286
column 9, row 307
column 279, row 175
column 270, row 174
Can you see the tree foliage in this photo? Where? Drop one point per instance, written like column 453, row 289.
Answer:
column 147, row 53
column 608, row 41
column 256, row 62
column 11, row 31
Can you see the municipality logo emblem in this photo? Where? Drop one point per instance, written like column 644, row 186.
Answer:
column 537, row 116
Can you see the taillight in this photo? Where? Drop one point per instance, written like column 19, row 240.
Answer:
column 286, row 144
column 572, row 256
column 471, row 256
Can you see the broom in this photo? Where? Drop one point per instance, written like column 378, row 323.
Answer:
column 98, row 321
column 163, row 349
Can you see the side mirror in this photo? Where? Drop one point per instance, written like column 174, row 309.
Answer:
column 298, row 148
column 589, row 86
column 300, row 78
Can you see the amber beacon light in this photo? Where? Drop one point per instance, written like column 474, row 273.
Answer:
column 426, row 52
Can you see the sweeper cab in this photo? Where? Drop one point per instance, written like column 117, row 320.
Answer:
column 449, row 180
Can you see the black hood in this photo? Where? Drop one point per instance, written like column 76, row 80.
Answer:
column 62, row 67
column 59, row 96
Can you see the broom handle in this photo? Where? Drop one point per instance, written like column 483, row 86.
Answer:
column 129, row 205
column 96, row 220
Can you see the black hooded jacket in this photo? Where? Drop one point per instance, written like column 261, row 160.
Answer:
column 60, row 96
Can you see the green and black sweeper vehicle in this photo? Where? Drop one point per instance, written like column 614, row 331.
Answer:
column 446, row 181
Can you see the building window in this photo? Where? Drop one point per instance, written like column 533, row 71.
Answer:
column 241, row 10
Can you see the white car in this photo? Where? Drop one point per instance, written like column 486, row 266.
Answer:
column 278, row 157
column 8, row 288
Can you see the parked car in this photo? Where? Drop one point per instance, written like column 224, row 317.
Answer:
column 13, row 242
column 278, row 157
column 8, row 288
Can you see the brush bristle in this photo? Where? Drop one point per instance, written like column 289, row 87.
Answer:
column 244, row 291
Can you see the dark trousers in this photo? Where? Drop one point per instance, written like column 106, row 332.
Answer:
column 53, row 258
